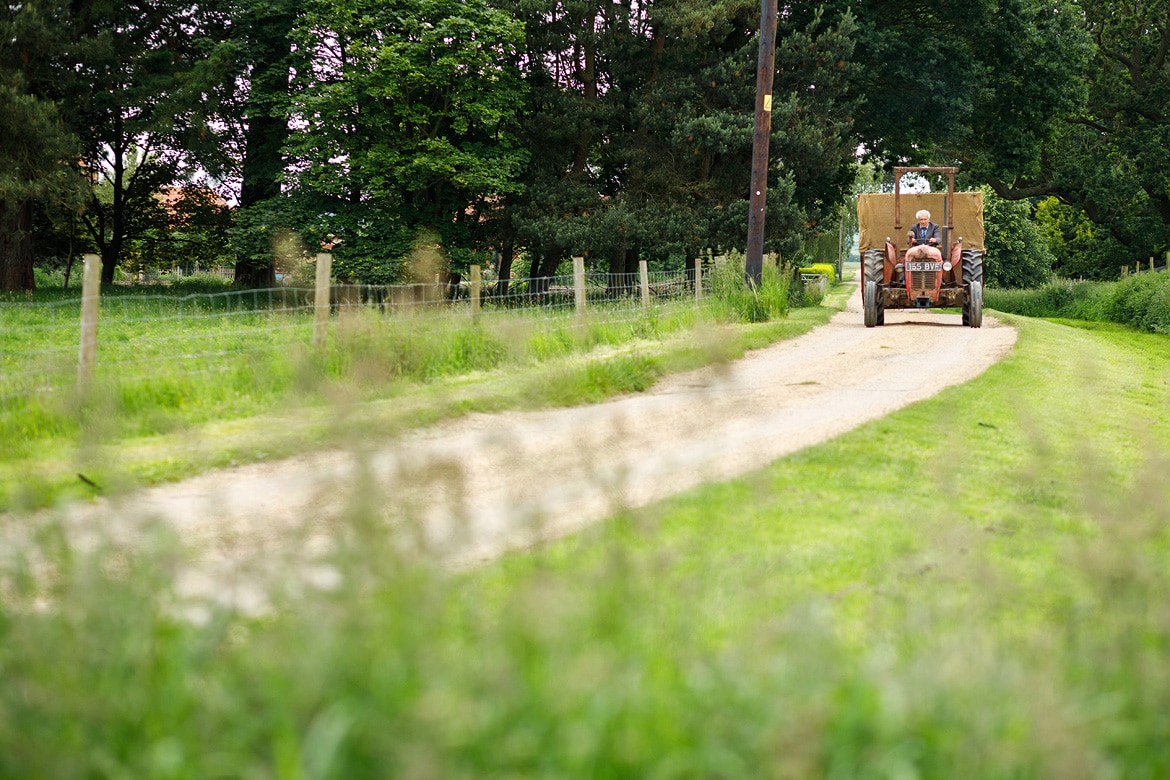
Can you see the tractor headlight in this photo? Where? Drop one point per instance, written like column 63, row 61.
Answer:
column 947, row 265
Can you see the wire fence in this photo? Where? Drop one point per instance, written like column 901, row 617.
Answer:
column 140, row 338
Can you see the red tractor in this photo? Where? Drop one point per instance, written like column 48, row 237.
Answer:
column 943, row 271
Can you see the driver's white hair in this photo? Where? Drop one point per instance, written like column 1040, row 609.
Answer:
column 922, row 213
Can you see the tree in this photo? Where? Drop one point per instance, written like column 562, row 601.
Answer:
column 138, row 97
column 262, row 35
column 34, row 158
column 405, row 118
column 189, row 232
column 1079, row 247
column 1017, row 253
column 1075, row 108
column 640, row 121
column 981, row 82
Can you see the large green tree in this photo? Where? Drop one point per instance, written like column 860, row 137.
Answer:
column 982, row 82
column 258, row 112
column 1110, row 157
column 137, row 94
column 35, row 157
column 641, row 118
column 404, row 117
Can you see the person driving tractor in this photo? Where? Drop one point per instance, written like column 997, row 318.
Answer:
column 923, row 239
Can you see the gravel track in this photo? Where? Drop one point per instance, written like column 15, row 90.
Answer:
column 473, row 488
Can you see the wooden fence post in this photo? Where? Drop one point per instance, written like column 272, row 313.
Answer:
column 91, row 285
column 1151, row 264
column 644, row 278
column 699, row 279
column 476, row 280
column 321, row 297
column 579, row 285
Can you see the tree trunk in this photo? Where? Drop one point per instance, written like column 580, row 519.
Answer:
column 588, row 77
column 544, row 265
column 69, row 256
column 267, row 131
column 507, row 250
column 110, row 252
column 16, row 258
column 262, row 164
column 623, row 264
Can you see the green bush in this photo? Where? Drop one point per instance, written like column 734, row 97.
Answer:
column 1141, row 301
column 822, row 268
column 201, row 283
column 55, row 278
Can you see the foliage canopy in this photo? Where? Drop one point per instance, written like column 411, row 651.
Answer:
column 617, row 130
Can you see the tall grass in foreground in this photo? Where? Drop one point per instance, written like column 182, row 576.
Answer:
column 988, row 603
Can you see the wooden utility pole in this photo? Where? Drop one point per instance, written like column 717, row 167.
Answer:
column 766, row 69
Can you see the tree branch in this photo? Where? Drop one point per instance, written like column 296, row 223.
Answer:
column 1014, row 192
column 1133, row 64
column 1090, row 124
column 1164, row 45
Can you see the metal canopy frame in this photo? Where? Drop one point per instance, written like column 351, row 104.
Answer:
column 948, row 203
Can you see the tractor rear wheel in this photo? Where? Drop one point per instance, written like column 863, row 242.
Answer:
column 972, row 260
column 869, row 298
column 873, row 271
column 973, row 308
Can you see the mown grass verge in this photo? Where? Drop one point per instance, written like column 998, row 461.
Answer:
column 374, row 380
column 972, row 587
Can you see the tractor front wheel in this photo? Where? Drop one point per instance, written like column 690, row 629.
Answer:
column 872, row 308
column 972, row 261
column 973, row 307
column 873, row 272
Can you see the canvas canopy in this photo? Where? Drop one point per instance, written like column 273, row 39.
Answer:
column 875, row 212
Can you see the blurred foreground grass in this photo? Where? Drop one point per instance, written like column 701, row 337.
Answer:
column 974, row 587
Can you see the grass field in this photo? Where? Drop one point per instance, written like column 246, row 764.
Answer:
column 191, row 382
column 975, row 586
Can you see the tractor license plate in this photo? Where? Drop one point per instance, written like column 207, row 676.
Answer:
column 924, row 265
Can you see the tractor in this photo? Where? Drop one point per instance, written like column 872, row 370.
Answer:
column 907, row 277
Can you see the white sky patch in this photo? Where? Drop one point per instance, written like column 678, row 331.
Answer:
column 914, row 182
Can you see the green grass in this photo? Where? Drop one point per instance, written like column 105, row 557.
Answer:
column 198, row 381
column 972, row 587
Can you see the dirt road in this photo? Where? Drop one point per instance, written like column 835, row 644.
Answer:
column 477, row 486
